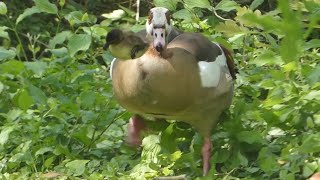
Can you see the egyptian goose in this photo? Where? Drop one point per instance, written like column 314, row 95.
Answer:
column 125, row 44
column 191, row 80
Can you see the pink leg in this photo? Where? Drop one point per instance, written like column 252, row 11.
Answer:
column 135, row 127
column 206, row 153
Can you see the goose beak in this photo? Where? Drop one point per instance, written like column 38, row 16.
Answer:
column 159, row 48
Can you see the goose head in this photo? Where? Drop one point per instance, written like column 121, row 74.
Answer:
column 158, row 27
column 114, row 37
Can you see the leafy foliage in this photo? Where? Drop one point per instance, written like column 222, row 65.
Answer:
column 59, row 119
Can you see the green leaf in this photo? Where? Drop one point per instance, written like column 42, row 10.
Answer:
column 87, row 99
column 6, row 54
column 115, row 15
column 24, row 100
column 311, row 144
column 1, row 87
column 28, row 12
column 199, row 3
column 183, row 14
column 267, row 57
column 230, row 28
column 255, row 4
column 312, row 95
column 3, row 8
column 250, row 137
column 4, row 135
column 3, row 32
column 37, row 67
column 43, row 150
column 78, row 42
column 46, row 6
column 12, row 67
column 37, row 94
column 76, row 167
column 226, row 5
column 169, row 4
column 314, row 43
column 59, row 38
column 314, row 75
column 267, row 160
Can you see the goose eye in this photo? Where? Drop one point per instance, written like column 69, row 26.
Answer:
column 156, row 34
column 151, row 33
column 161, row 34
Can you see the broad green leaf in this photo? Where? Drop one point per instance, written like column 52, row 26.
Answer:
column 115, row 15
column 12, row 67
column 3, row 32
column 267, row 57
column 267, row 160
column 78, row 42
column 250, row 137
column 27, row 12
column 37, row 67
column 226, row 5
column 314, row 43
column 255, row 4
column 314, row 75
column 199, row 3
column 46, row 6
column 128, row 11
column 76, row 167
column 87, row 99
column 311, row 144
column 183, row 14
column 74, row 17
column 24, row 100
column 169, row 4
column 37, row 94
column 6, row 54
column 59, row 38
column 3, row 8
column 4, row 135
column 60, row 52
column 81, row 135
column 230, row 28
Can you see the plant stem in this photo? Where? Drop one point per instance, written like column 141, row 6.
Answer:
column 14, row 28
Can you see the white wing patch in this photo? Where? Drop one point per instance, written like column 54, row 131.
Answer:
column 111, row 67
column 210, row 72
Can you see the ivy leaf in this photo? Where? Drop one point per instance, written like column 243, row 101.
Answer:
column 46, row 6
column 76, row 167
column 78, row 42
column 27, row 12
column 3, row 8
column 226, row 5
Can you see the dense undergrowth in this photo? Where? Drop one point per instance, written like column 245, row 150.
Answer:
column 58, row 117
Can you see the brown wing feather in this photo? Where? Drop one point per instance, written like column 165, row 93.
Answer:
column 230, row 62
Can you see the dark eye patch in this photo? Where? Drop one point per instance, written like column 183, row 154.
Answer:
column 161, row 34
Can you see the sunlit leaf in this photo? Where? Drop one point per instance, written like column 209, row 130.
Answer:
column 24, row 100
column 4, row 134
column 115, row 15
column 3, row 8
